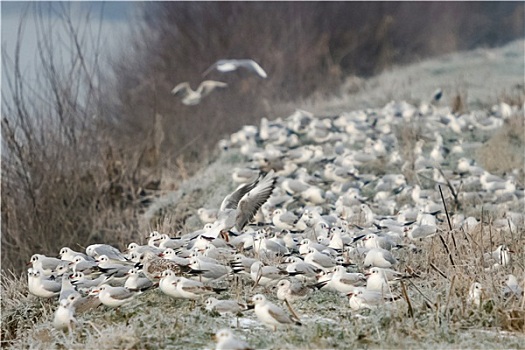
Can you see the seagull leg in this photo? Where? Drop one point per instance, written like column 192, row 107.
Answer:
column 225, row 236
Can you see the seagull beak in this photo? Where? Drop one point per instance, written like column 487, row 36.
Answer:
column 29, row 263
column 161, row 255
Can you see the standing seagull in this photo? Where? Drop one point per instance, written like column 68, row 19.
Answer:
column 270, row 314
column 191, row 97
column 232, row 64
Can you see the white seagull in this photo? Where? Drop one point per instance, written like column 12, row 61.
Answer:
column 226, row 341
column 270, row 314
column 230, row 65
column 193, row 97
column 65, row 313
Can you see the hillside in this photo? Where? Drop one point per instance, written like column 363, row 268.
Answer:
column 382, row 150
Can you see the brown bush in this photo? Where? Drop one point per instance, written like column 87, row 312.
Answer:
column 64, row 181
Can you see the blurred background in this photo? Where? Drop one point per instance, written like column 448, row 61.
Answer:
column 91, row 133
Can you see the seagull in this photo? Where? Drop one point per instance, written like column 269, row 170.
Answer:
column 230, row 65
column 111, row 252
column 238, row 208
column 190, row 289
column 475, row 293
column 208, row 271
column 40, row 286
column 46, row 265
column 226, row 341
column 265, row 275
column 512, row 287
column 499, row 257
column 65, row 314
column 193, row 97
column 224, row 306
column 81, row 282
column 361, row 298
column 270, row 314
column 345, row 282
column 378, row 257
column 291, row 291
column 153, row 266
column 69, row 254
column 166, row 284
column 113, row 296
column 135, row 282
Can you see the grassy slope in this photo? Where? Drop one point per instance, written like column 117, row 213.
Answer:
column 156, row 321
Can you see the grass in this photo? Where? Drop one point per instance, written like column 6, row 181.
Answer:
column 441, row 318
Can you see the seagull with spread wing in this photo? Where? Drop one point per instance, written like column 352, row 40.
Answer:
column 191, row 97
column 230, row 65
column 239, row 208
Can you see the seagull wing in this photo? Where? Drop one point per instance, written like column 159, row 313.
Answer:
column 207, row 86
column 181, row 89
column 232, row 200
column 254, row 66
column 254, row 199
column 278, row 314
column 298, row 289
column 121, row 294
column 289, row 218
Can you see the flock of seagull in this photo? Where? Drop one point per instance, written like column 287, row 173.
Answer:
column 309, row 215
column 190, row 97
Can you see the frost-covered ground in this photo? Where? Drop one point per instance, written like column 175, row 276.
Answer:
column 435, row 312
column 482, row 76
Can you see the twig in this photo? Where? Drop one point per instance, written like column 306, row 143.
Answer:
column 423, row 295
column 448, row 217
column 438, row 271
column 448, row 251
column 95, row 328
column 291, row 309
column 449, row 184
column 481, row 246
column 410, row 310
column 259, row 275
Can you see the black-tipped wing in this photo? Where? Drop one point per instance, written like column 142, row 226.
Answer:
column 231, row 201
column 254, row 199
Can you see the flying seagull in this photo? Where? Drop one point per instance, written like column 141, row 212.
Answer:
column 190, row 97
column 231, row 65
